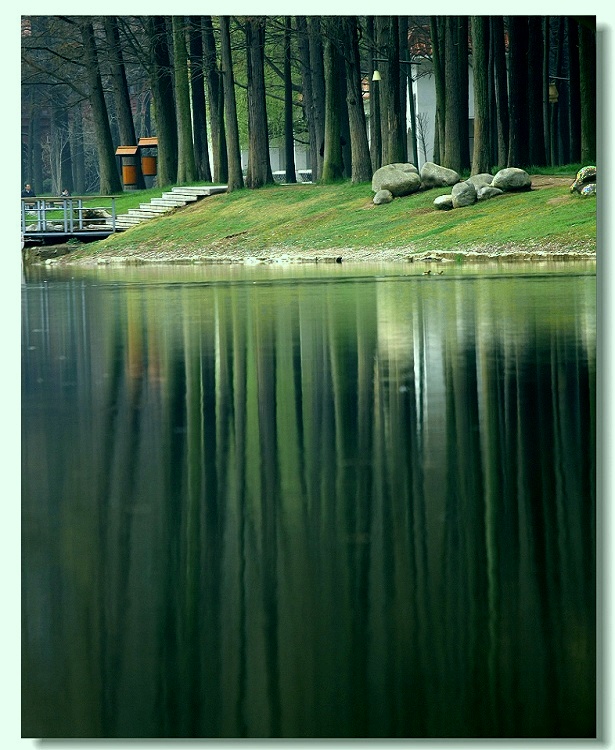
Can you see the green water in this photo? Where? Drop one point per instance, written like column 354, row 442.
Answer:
column 309, row 502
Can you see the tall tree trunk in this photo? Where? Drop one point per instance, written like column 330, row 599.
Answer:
column 405, row 75
column 186, row 167
column 318, row 89
column 546, row 113
column 375, row 132
column 61, row 171
column 360, row 157
column 121, row 94
column 109, row 177
column 464, row 92
column 587, row 74
column 197, row 90
column 480, row 67
column 518, row 151
column 391, row 118
column 235, row 176
column 333, row 167
column 215, row 94
column 76, row 136
column 438, row 56
column 308, row 98
column 537, row 154
column 259, row 165
column 574, row 100
column 501, row 88
column 452, row 113
column 161, row 81
column 289, row 134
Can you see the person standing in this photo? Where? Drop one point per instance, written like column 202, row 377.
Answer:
column 27, row 192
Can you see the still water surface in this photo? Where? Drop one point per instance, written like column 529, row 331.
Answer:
column 309, row 502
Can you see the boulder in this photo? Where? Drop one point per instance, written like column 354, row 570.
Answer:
column 588, row 190
column 400, row 179
column 463, row 194
column 479, row 180
column 433, row 175
column 383, row 196
column 585, row 176
column 512, row 178
column 487, row 191
column 444, row 202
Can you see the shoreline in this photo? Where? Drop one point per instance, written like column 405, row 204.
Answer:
column 60, row 255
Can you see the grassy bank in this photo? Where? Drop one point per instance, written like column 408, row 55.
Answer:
column 313, row 219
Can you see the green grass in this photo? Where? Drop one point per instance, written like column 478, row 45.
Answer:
column 319, row 217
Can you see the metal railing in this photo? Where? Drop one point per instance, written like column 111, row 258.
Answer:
column 72, row 215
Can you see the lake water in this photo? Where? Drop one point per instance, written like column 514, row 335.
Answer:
column 309, row 501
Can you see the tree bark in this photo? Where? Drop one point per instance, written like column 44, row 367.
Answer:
column 587, row 76
column 518, row 151
column 537, row 154
column 186, row 167
column 333, row 168
column 438, row 58
column 452, row 87
column 464, row 92
column 308, row 99
column 289, row 135
column 318, row 90
column 259, row 164
column 215, row 94
column 235, row 176
column 574, row 101
column 361, row 170
column 161, row 81
column 501, row 88
column 391, row 118
column 121, row 94
column 481, row 156
column 199, row 111
column 109, row 177
column 375, row 131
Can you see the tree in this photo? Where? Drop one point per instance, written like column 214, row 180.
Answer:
column 587, row 76
column 333, row 167
column 453, row 93
column 197, row 91
column 375, row 131
column 307, row 98
column 235, row 175
column 259, row 165
column 535, row 93
column 109, row 177
column 481, row 161
column 391, row 117
column 500, row 83
column 436, row 26
column 161, row 82
column 289, row 139
column 574, row 100
column 318, row 89
column 360, row 156
column 186, row 167
column 464, row 94
column 518, row 34
column 121, row 94
column 215, row 95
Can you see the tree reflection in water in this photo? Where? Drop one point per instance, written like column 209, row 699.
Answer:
column 359, row 509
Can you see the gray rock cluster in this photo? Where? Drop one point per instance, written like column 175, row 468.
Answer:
column 396, row 180
column 481, row 187
column 585, row 182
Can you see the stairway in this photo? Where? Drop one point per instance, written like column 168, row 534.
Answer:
column 178, row 196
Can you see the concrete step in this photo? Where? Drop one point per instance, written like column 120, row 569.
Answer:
column 153, row 208
column 200, row 190
column 168, row 202
column 185, row 197
column 145, row 215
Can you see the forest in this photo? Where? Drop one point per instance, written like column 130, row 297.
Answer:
column 210, row 88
